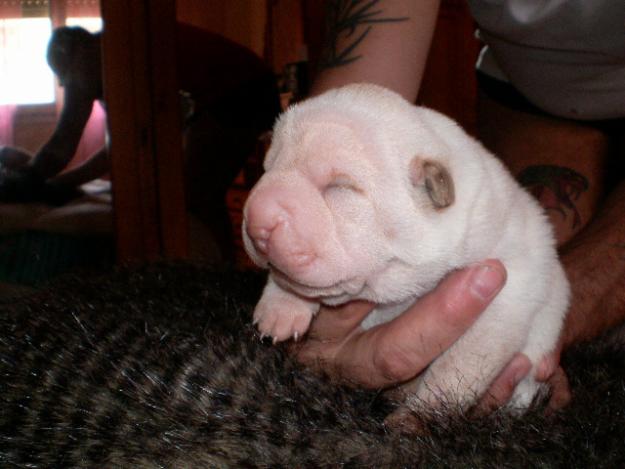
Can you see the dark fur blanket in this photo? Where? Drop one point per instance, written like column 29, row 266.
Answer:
column 160, row 367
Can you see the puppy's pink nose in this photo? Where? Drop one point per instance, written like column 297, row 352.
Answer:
column 263, row 213
column 260, row 237
column 272, row 228
column 280, row 244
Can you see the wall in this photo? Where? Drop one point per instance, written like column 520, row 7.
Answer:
column 273, row 29
column 286, row 35
column 32, row 128
column 242, row 21
column 449, row 84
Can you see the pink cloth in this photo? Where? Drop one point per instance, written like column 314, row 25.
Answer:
column 6, row 124
column 92, row 137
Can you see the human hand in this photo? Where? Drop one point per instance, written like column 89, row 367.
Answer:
column 549, row 371
column 19, row 182
column 397, row 351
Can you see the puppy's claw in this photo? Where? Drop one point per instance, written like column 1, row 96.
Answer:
column 295, row 336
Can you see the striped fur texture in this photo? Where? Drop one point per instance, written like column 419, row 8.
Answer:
column 159, row 368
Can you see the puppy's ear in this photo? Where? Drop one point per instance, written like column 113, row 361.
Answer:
column 436, row 180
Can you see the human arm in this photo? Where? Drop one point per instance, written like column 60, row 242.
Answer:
column 25, row 177
column 96, row 166
column 384, row 42
column 595, row 264
column 57, row 152
column 563, row 163
column 594, row 261
column 65, row 186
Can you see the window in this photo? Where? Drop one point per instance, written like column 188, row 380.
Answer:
column 93, row 24
column 25, row 77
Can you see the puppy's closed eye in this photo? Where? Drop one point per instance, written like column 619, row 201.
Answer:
column 342, row 182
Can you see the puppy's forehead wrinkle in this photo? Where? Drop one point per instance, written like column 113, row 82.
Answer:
column 302, row 121
column 330, row 135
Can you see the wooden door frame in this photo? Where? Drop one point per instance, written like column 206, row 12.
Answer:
column 143, row 111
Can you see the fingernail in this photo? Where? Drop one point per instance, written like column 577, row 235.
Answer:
column 523, row 368
column 519, row 376
column 486, row 281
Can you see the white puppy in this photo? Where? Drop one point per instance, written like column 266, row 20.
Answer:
column 366, row 196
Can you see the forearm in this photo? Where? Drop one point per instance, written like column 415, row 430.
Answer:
column 53, row 157
column 59, row 150
column 96, row 166
column 595, row 263
column 385, row 42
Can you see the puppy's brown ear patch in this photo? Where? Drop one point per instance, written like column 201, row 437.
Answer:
column 437, row 181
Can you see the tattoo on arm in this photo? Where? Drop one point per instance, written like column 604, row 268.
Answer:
column 556, row 187
column 342, row 19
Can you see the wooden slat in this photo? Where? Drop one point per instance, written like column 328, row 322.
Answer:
column 167, row 128
column 141, row 97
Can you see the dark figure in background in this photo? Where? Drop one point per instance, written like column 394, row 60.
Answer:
column 233, row 97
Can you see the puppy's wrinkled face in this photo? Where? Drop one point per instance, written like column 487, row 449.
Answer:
column 336, row 206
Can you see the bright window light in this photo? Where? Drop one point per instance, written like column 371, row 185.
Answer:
column 93, row 24
column 25, row 77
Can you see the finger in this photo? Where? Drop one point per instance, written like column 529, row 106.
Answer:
column 548, row 365
column 413, row 340
column 329, row 331
column 502, row 388
column 560, row 391
column 336, row 323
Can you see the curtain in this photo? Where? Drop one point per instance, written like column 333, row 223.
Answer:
column 6, row 124
column 8, row 9
column 92, row 137
column 82, row 8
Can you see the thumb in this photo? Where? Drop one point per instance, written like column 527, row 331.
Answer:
column 412, row 340
column 334, row 323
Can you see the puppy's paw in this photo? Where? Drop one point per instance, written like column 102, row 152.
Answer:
column 288, row 318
